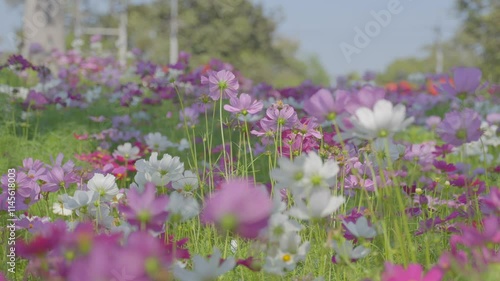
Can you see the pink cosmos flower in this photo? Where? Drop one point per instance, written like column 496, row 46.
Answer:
column 244, row 105
column 145, row 210
column 222, row 81
column 240, row 207
column 414, row 272
column 325, row 106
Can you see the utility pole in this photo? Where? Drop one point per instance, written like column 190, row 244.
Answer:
column 122, row 34
column 439, row 50
column 174, row 45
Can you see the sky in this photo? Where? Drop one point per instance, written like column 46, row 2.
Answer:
column 329, row 29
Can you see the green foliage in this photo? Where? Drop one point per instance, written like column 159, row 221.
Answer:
column 237, row 31
column 482, row 22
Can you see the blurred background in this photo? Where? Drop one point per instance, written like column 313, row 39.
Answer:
column 282, row 42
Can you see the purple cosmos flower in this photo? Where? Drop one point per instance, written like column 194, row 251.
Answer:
column 279, row 115
column 458, row 128
column 35, row 100
column 20, row 61
column 145, row 210
column 188, row 115
column 221, row 82
column 467, row 80
column 325, row 106
column 422, row 154
column 432, row 122
column 57, row 178
column 367, row 97
column 239, row 206
column 244, row 105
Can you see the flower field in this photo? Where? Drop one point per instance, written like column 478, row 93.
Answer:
column 195, row 173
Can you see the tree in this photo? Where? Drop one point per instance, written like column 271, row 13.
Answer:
column 237, row 31
column 482, row 23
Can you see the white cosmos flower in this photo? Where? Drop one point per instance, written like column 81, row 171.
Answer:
column 127, row 151
column 287, row 255
column 361, row 228
column 305, row 173
column 320, row 204
column 157, row 142
column 182, row 208
column 104, row 186
column 290, row 174
column 382, row 121
column 80, row 200
column 58, row 209
column 160, row 172
column 280, row 225
column 348, row 251
column 319, row 174
column 187, row 184
column 205, row 269
column 183, row 145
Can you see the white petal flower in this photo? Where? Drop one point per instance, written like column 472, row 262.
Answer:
column 287, row 255
column 320, row 204
column 347, row 251
column 187, row 183
column 127, row 151
column 361, row 228
column 182, row 208
column 157, row 142
column 382, row 121
column 319, row 174
column 80, row 199
column 280, row 225
column 290, row 174
column 104, row 186
column 58, row 209
column 205, row 270
column 183, row 145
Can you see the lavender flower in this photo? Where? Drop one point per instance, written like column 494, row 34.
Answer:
column 222, row 82
column 458, row 128
column 243, row 105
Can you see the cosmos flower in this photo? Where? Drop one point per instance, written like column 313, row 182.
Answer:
column 325, row 106
column 384, row 120
column 347, row 251
column 467, row 80
column 145, row 210
column 289, row 252
column 240, row 207
column 320, row 204
column 104, row 185
column 221, row 83
column 413, row 272
column 157, row 142
column 127, row 151
column 243, row 105
column 206, row 269
column 462, row 127
column 361, row 228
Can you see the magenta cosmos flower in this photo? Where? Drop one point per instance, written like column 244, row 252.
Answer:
column 220, row 83
column 244, row 105
column 239, row 207
column 414, row 272
column 458, row 128
column 325, row 106
column 145, row 210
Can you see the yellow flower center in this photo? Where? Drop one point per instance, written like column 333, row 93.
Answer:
column 287, row 257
